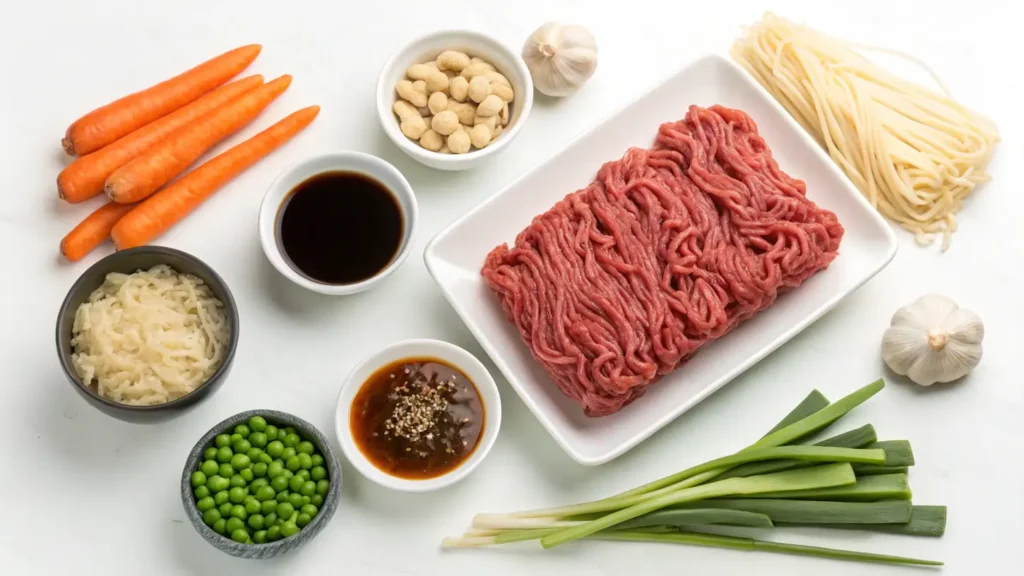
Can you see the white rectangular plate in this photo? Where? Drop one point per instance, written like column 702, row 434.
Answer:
column 455, row 256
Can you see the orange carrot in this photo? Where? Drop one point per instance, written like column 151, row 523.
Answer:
column 93, row 230
column 147, row 173
column 85, row 177
column 125, row 115
column 162, row 210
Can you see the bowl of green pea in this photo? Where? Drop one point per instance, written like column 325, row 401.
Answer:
column 260, row 484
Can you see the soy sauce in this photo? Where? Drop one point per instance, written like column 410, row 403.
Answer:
column 340, row 227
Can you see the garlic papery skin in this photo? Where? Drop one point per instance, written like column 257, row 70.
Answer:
column 933, row 340
column 560, row 57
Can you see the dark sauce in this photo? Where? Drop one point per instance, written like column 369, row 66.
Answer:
column 340, row 227
column 417, row 418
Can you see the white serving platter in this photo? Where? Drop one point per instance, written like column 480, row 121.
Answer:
column 454, row 258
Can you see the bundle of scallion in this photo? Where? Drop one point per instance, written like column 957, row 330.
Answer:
column 850, row 481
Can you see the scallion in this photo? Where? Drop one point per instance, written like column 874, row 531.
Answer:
column 867, row 489
column 817, row 511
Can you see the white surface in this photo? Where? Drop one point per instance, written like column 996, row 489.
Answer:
column 503, row 57
column 85, row 494
column 346, row 161
column 454, row 259
column 418, row 348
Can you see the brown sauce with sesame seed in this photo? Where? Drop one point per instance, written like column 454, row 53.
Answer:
column 417, row 418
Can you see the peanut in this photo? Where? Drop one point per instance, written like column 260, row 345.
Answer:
column 403, row 109
column 480, row 135
column 414, row 127
column 478, row 60
column 474, row 70
column 418, row 72
column 414, row 92
column 437, row 102
column 436, row 82
column 452, row 60
column 479, row 88
column 459, row 142
column 497, row 78
column 445, row 123
column 501, row 91
column 490, row 106
column 431, row 140
column 464, row 110
column 459, row 88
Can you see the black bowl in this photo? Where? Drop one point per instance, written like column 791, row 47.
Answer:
column 268, row 549
column 127, row 262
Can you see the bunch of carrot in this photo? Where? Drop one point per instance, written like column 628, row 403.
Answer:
column 131, row 148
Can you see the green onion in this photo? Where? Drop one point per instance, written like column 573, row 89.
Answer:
column 838, row 474
column 873, row 470
column 924, row 521
column 736, row 543
column 812, row 403
column 698, row 516
column 858, row 438
column 817, row 511
column 867, row 489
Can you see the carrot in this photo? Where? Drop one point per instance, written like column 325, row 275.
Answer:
column 162, row 210
column 147, row 173
column 85, row 177
column 93, row 230
column 125, row 115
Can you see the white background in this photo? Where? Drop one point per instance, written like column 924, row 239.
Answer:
column 87, row 494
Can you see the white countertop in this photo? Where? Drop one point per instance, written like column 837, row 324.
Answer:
column 87, row 494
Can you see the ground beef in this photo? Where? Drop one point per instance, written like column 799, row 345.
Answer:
column 621, row 282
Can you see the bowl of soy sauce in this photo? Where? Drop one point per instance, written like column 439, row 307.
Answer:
column 338, row 223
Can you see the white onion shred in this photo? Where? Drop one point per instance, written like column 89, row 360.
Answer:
column 150, row 337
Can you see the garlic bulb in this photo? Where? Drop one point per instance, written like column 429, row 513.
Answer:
column 933, row 340
column 560, row 58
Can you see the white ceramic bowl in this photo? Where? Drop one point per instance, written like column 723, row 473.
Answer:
column 450, row 354
column 366, row 164
column 427, row 48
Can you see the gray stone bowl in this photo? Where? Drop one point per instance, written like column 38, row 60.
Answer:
column 127, row 262
column 269, row 549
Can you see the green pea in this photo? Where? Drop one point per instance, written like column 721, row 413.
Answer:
column 268, row 506
column 210, row 453
column 309, row 510
column 256, row 521
column 253, row 507
column 302, row 520
column 254, row 454
column 318, row 473
column 237, row 494
column 209, row 467
column 198, row 479
column 289, row 430
column 271, row 432
column 217, row 483
column 240, row 461
column 285, row 509
column 269, row 518
column 304, row 474
column 305, row 447
column 306, row 500
column 226, row 470
column 260, row 537
column 205, row 504
column 240, row 536
column 225, row 509
column 295, row 499
column 235, row 524
column 279, row 484
column 309, row 488
column 282, row 496
column 291, row 440
column 237, row 481
column 316, row 500
column 238, row 511
column 235, row 438
column 292, row 463
column 287, row 474
column 247, row 475
column 259, row 469
column 201, row 492
column 257, row 424
column 305, row 462
column 289, row 528
column 220, row 526
column 295, row 484
column 265, row 493
column 318, row 460
column 274, row 470
column 258, row 439
column 273, row 533
column 220, row 497
column 242, row 446
column 322, row 487
column 258, row 483
column 249, row 498
column 242, row 430
column 224, row 454
column 275, row 448
column 222, row 441
column 266, row 458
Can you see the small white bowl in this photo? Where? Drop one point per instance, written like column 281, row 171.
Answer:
column 450, row 354
column 427, row 48
column 366, row 164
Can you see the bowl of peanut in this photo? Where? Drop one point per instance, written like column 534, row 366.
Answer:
column 452, row 99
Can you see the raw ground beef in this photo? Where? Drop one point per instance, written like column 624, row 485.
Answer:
column 621, row 282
